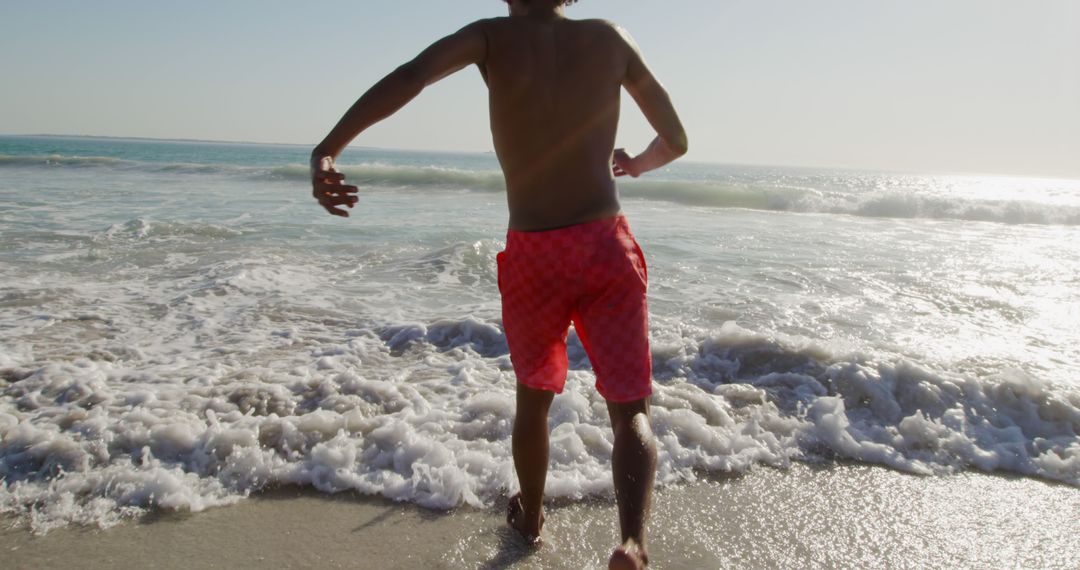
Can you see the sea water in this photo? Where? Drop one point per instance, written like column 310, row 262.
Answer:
column 182, row 325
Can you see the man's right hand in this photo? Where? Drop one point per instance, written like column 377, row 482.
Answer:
column 328, row 188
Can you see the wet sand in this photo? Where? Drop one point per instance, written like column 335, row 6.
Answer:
column 840, row 516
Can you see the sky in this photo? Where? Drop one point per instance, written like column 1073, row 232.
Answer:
column 944, row 86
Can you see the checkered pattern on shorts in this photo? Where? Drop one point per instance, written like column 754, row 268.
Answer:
column 593, row 275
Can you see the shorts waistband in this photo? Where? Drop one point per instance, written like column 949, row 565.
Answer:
column 584, row 232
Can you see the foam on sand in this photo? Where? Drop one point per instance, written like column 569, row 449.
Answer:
column 422, row 412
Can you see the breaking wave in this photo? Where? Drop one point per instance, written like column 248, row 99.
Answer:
column 876, row 200
column 422, row 412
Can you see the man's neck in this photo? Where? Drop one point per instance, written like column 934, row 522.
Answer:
column 538, row 9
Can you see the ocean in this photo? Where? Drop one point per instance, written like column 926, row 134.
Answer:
column 181, row 326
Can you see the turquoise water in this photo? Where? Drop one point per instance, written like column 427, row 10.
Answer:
column 180, row 325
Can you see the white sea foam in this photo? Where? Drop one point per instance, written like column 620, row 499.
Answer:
column 423, row 412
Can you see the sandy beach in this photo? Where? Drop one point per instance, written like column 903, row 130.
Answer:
column 851, row 516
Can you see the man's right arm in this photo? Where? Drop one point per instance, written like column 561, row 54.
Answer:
column 446, row 56
column 653, row 100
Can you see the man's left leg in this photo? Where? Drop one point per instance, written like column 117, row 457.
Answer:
column 613, row 325
column 633, row 467
column 530, row 448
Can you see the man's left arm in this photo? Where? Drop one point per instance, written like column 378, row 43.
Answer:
column 454, row 52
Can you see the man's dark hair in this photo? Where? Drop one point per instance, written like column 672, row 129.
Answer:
column 561, row 3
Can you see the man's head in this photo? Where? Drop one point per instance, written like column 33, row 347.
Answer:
column 556, row 2
column 523, row 5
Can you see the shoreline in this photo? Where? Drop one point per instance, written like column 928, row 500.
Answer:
column 835, row 515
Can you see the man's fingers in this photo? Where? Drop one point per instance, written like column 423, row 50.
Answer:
column 330, row 203
column 336, row 211
column 338, row 200
column 331, row 199
column 330, row 192
column 321, row 189
column 329, row 175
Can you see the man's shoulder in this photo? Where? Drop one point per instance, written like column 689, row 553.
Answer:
column 611, row 31
column 484, row 23
column 497, row 21
column 508, row 28
column 597, row 24
column 600, row 26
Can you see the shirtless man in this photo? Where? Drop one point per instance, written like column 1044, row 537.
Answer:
column 554, row 87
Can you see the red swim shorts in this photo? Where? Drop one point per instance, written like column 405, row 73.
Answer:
column 593, row 275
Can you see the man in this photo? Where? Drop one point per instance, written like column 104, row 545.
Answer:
column 554, row 86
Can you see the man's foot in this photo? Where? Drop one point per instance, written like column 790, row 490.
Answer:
column 529, row 530
column 628, row 556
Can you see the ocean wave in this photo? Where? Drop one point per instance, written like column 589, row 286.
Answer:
column 423, row 412
column 871, row 203
column 141, row 229
column 876, row 200
column 393, row 176
column 373, row 174
column 59, row 161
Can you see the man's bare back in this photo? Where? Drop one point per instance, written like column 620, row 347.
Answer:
column 554, row 88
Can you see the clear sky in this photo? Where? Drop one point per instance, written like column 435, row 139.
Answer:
column 973, row 86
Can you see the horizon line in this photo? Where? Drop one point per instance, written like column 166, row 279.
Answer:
column 490, row 152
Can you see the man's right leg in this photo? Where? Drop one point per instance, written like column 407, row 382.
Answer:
column 633, row 464
column 530, row 448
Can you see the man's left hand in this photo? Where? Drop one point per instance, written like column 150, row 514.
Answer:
column 622, row 164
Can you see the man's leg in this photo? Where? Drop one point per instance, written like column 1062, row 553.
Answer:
column 633, row 464
column 530, row 445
